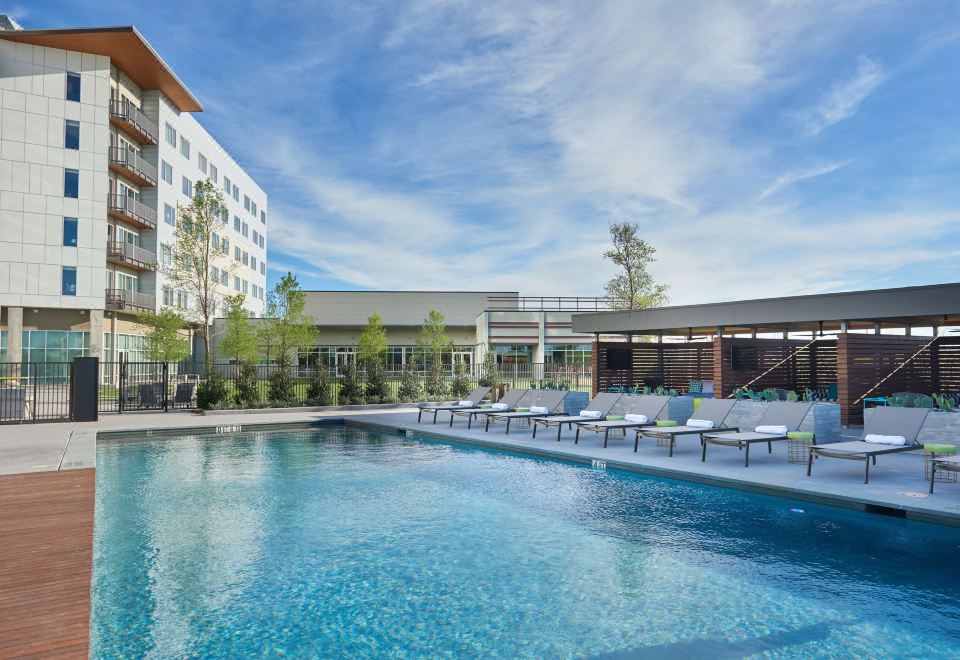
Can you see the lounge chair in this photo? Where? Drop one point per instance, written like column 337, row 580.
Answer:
column 510, row 399
column 886, row 421
column 710, row 415
column 602, row 404
column 643, row 406
column 787, row 415
column 473, row 398
column 945, row 464
column 551, row 400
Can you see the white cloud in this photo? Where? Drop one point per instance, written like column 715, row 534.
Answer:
column 845, row 97
column 791, row 178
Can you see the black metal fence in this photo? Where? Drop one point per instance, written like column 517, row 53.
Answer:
column 128, row 386
column 34, row 391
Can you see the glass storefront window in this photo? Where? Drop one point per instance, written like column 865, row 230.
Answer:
column 567, row 354
column 396, row 358
column 517, row 354
column 3, row 345
column 54, row 345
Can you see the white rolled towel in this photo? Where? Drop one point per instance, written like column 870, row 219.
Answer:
column 896, row 440
column 700, row 423
column 591, row 414
column 771, row 429
column 499, row 406
column 539, row 410
column 636, row 419
column 467, row 402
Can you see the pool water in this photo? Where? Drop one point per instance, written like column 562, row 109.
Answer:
column 341, row 542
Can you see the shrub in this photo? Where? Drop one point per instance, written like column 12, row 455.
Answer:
column 377, row 390
column 211, row 392
column 792, row 396
column 351, row 389
column 318, row 391
column 461, row 380
column 246, row 394
column 436, row 387
column 409, row 385
column 490, row 373
column 280, row 391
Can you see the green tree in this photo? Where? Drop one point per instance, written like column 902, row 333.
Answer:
column 351, row 389
column 165, row 337
column 634, row 287
column 490, row 372
column 193, row 256
column 240, row 341
column 409, row 384
column 286, row 329
column 318, row 391
column 377, row 389
column 373, row 340
column 460, row 387
column 246, row 393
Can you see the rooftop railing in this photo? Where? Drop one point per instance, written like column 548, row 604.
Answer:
column 548, row 304
column 130, row 117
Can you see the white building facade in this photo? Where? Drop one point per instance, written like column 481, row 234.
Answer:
column 98, row 148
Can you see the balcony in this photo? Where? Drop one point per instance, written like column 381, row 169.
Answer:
column 129, row 164
column 122, row 253
column 134, row 301
column 131, row 120
column 126, row 208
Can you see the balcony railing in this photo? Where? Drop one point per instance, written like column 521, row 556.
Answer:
column 133, row 122
column 134, row 212
column 129, row 163
column 121, row 299
column 131, row 255
column 548, row 304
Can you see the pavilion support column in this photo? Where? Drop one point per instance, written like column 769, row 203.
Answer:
column 721, row 377
column 595, row 366
column 876, row 328
column 96, row 333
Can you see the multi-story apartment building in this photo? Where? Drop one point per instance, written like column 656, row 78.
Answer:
column 99, row 146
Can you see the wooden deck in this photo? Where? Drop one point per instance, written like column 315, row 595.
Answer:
column 46, row 552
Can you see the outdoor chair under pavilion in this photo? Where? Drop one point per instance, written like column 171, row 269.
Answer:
column 638, row 411
column 710, row 415
column 596, row 409
column 890, row 430
column 779, row 418
column 541, row 403
column 510, row 400
column 472, row 400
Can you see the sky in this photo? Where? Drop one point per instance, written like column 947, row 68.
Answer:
column 764, row 148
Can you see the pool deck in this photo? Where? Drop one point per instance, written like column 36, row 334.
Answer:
column 47, row 488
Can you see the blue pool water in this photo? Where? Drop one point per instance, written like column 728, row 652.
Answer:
column 343, row 542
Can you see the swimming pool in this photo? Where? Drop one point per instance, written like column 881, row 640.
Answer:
column 339, row 541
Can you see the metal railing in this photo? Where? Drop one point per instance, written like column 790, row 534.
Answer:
column 548, row 304
column 128, row 386
column 120, row 299
column 132, row 254
column 131, row 160
column 34, row 392
column 132, row 115
column 130, row 208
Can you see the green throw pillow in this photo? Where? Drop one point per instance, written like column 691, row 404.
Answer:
column 614, row 418
column 522, row 409
column 666, row 422
column 800, row 435
column 940, row 449
column 486, row 405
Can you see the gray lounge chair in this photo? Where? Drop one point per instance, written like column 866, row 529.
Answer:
column 778, row 413
column 945, row 464
column 509, row 399
column 476, row 396
column 711, row 410
column 647, row 405
column 603, row 403
column 552, row 400
column 885, row 420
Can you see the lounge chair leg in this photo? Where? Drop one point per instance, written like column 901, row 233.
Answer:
column 874, row 457
column 636, row 441
column 419, row 415
column 486, row 426
column 746, row 458
column 559, row 430
column 508, row 426
column 469, row 421
column 435, row 416
column 673, row 443
column 769, row 447
column 810, row 462
column 703, row 451
column 534, row 428
column 451, row 420
column 576, row 436
column 933, row 476
column 866, row 470
column 606, row 436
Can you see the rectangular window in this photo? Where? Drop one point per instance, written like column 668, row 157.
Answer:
column 202, row 162
column 253, row 262
column 71, row 134
column 166, row 172
column 169, row 215
column 224, row 277
column 187, row 187
column 236, row 283
column 226, row 185
column 213, row 173
column 70, row 232
column 256, row 237
column 246, row 203
column 214, row 273
column 171, row 134
column 245, row 229
column 263, row 268
column 182, row 299
column 245, row 287
column 236, row 252
column 69, row 281
column 185, row 147
column 71, row 183
column 236, row 194
column 73, row 86
column 167, row 296
column 236, row 224
column 253, row 209
column 263, row 217
column 215, row 240
column 262, row 242
column 246, row 258
column 166, row 255
column 225, row 245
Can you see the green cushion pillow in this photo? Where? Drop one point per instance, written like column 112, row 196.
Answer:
column 614, row 418
column 800, row 435
column 940, row 449
column 666, row 422
column 522, row 409
column 486, row 405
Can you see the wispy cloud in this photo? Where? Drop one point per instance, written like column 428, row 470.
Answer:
column 791, row 178
column 845, row 97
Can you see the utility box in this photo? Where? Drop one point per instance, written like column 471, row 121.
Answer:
column 84, row 379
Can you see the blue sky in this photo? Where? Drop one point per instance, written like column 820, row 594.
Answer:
column 765, row 148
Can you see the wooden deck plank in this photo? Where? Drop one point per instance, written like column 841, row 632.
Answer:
column 46, row 524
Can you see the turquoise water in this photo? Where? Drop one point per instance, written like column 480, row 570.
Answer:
column 339, row 542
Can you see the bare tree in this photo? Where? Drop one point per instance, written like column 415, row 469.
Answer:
column 634, row 287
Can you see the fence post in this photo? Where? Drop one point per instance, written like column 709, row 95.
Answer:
column 32, row 366
column 121, row 382
column 166, row 386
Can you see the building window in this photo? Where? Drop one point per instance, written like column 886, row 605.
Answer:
column 171, row 135
column 213, row 173
column 225, row 245
column 185, row 147
column 262, row 242
column 40, row 346
column 215, row 240
column 246, row 258
column 182, row 299
column 166, row 172
column 71, row 134
column 236, row 252
column 166, row 255
column 263, row 268
column 169, row 215
column 167, row 296
column 236, row 194
column 246, row 286
column 70, row 232
column 236, row 224
column 253, row 262
column 69, row 281
column 202, row 162
column 214, row 273
column 226, row 185
column 245, row 229
column 236, row 283
column 256, row 237
column 263, row 217
column 577, row 354
column 71, row 184
column 246, row 203
column 514, row 354
column 253, row 209
column 187, row 187
column 224, row 277
column 73, row 86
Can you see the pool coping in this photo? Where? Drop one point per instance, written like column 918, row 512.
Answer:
column 863, row 503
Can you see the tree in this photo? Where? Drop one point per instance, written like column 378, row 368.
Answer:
column 165, row 339
column 432, row 344
column 193, row 256
column 409, row 384
column 461, row 379
column 351, row 389
column 318, row 391
column 286, row 329
column 634, row 288
column 373, row 340
column 377, row 390
column 240, row 344
column 490, row 373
